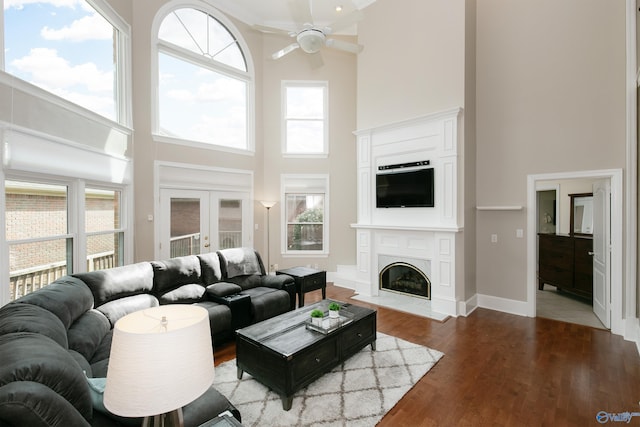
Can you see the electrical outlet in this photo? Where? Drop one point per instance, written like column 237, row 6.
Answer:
column 519, row 233
column 494, row 238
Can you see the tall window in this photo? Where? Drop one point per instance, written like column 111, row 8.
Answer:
column 306, row 201
column 67, row 48
column 305, row 118
column 41, row 228
column 204, row 82
column 105, row 235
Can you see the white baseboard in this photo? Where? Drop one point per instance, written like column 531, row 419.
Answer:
column 467, row 307
column 502, row 304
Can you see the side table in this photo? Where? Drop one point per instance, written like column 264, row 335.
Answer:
column 307, row 280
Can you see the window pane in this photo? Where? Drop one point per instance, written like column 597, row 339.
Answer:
column 305, row 102
column 201, row 33
column 35, row 210
column 185, row 227
column 305, row 228
column 230, row 224
column 102, row 210
column 304, row 119
column 305, row 136
column 201, row 105
column 35, row 265
column 105, row 251
column 305, row 208
column 304, row 237
column 66, row 48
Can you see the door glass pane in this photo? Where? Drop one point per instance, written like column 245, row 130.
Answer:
column 185, row 227
column 102, row 209
column 34, row 265
column 102, row 214
column 35, row 210
column 36, row 219
column 230, row 224
column 104, row 251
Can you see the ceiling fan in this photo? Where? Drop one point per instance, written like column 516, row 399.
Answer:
column 311, row 38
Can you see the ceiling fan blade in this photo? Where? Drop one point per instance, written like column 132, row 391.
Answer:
column 344, row 22
column 301, row 12
column 316, row 60
column 271, row 30
column 285, row 51
column 346, row 46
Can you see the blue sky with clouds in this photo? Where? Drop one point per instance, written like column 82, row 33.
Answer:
column 63, row 46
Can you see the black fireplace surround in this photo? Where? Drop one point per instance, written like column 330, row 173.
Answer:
column 405, row 278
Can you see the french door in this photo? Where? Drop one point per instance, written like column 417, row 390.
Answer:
column 197, row 221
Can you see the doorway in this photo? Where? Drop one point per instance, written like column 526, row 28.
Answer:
column 196, row 221
column 550, row 182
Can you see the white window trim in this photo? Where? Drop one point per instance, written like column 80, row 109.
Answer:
column 248, row 77
column 304, row 184
column 283, row 123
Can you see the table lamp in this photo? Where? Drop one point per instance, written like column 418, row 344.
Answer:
column 161, row 360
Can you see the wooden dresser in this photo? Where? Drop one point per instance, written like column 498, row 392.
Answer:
column 566, row 262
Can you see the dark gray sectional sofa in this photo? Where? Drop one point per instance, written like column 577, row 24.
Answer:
column 54, row 339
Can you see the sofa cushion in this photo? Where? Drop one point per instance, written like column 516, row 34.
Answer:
column 239, row 262
column 185, row 294
column 31, row 318
column 114, row 310
column 247, row 282
column 175, row 272
column 86, row 333
column 82, row 362
column 68, row 298
column 29, row 403
column 104, row 349
column 210, row 268
column 219, row 317
column 267, row 302
column 222, row 289
column 113, row 283
column 28, row 356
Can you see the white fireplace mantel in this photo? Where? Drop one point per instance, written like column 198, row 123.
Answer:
column 431, row 234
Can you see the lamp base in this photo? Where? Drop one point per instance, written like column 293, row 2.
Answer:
column 170, row 419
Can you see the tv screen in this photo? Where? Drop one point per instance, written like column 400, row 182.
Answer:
column 405, row 189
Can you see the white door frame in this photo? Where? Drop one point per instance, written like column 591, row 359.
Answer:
column 172, row 175
column 615, row 176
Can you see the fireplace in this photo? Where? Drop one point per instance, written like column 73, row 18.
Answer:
column 405, row 278
column 429, row 239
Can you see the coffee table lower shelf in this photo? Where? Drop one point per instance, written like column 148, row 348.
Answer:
column 285, row 356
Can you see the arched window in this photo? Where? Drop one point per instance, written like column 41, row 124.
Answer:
column 204, row 81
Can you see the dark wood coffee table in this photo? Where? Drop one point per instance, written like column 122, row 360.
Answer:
column 285, row 355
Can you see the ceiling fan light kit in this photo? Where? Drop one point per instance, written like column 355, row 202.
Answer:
column 310, row 38
column 311, row 41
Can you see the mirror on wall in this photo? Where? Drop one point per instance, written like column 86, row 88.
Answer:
column 581, row 216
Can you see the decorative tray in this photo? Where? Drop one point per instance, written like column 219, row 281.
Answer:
column 330, row 324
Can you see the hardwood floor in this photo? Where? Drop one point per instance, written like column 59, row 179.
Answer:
column 506, row 370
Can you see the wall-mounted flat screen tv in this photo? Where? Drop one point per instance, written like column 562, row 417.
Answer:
column 405, row 189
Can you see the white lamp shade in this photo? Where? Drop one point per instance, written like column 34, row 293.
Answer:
column 155, row 369
column 267, row 204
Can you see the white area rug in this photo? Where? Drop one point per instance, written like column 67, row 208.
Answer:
column 357, row 393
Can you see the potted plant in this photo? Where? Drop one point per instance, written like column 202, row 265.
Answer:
column 316, row 317
column 334, row 310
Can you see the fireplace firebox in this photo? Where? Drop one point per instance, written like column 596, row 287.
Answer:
column 405, row 278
